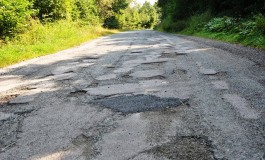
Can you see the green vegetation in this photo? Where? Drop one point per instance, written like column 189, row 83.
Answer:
column 14, row 16
column 133, row 17
column 232, row 21
column 46, row 39
column 32, row 28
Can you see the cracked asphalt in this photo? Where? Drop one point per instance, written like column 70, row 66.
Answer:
column 138, row 95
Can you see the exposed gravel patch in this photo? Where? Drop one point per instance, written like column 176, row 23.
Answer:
column 256, row 55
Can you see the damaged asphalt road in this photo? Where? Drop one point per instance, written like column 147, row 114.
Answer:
column 140, row 95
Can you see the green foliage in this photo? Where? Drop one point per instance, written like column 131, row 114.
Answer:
column 242, row 27
column 111, row 23
column 31, row 28
column 54, row 9
column 231, row 21
column 170, row 26
column 49, row 38
column 148, row 15
column 132, row 17
column 119, row 5
column 14, row 17
column 260, row 23
column 223, row 24
column 197, row 22
column 179, row 10
column 236, row 30
column 87, row 11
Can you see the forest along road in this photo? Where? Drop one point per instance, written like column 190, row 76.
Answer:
column 139, row 95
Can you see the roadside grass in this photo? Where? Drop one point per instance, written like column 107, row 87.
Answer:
column 257, row 41
column 46, row 39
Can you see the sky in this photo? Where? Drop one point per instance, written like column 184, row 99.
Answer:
column 142, row 1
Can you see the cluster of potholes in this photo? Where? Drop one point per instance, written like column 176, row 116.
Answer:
column 179, row 147
column 128, row 103
column 186, row 147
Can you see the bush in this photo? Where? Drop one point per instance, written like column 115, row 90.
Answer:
column 260, row 22
column 247, row 28
column 111, row 23
column 197, row 22
column 170, row 26
column 54, row 9
column 242, row 27
column 179, row 25
column 14, row 16
column 224, row 24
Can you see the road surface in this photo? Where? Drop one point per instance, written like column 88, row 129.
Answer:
column 140, row 95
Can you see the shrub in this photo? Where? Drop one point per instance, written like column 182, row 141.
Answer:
column 14, row 16
column 224, row 24
column 85, row 10
column 260, row 22
column 247, row 28
column 179, row 25
column 111, row 23
column 54, row 9
column 170, row 26
column 197, row 22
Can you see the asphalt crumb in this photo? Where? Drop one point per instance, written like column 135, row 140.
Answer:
column 139, row 103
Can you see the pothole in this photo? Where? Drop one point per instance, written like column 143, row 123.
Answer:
column 92, row 57
column 94, row 84
column 136, row 52
column 185, row 148
column 221, row 74
column 87, row 143
column 5, row 99
column 147, row 73
column 179, row 71
column 171, row 54
column 208, row 71
column 139, row 103
column 27, row 88
column 155, row 77
column 77, row 93
column 126, row 76
column 65, row 76
column 159, row 60
column 218, row 75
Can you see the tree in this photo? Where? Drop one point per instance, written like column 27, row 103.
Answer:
column 148, row 15
column 111, row 10
column 54, row 9
column 14, row 16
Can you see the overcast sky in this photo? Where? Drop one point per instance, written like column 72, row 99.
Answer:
column 142, row 1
